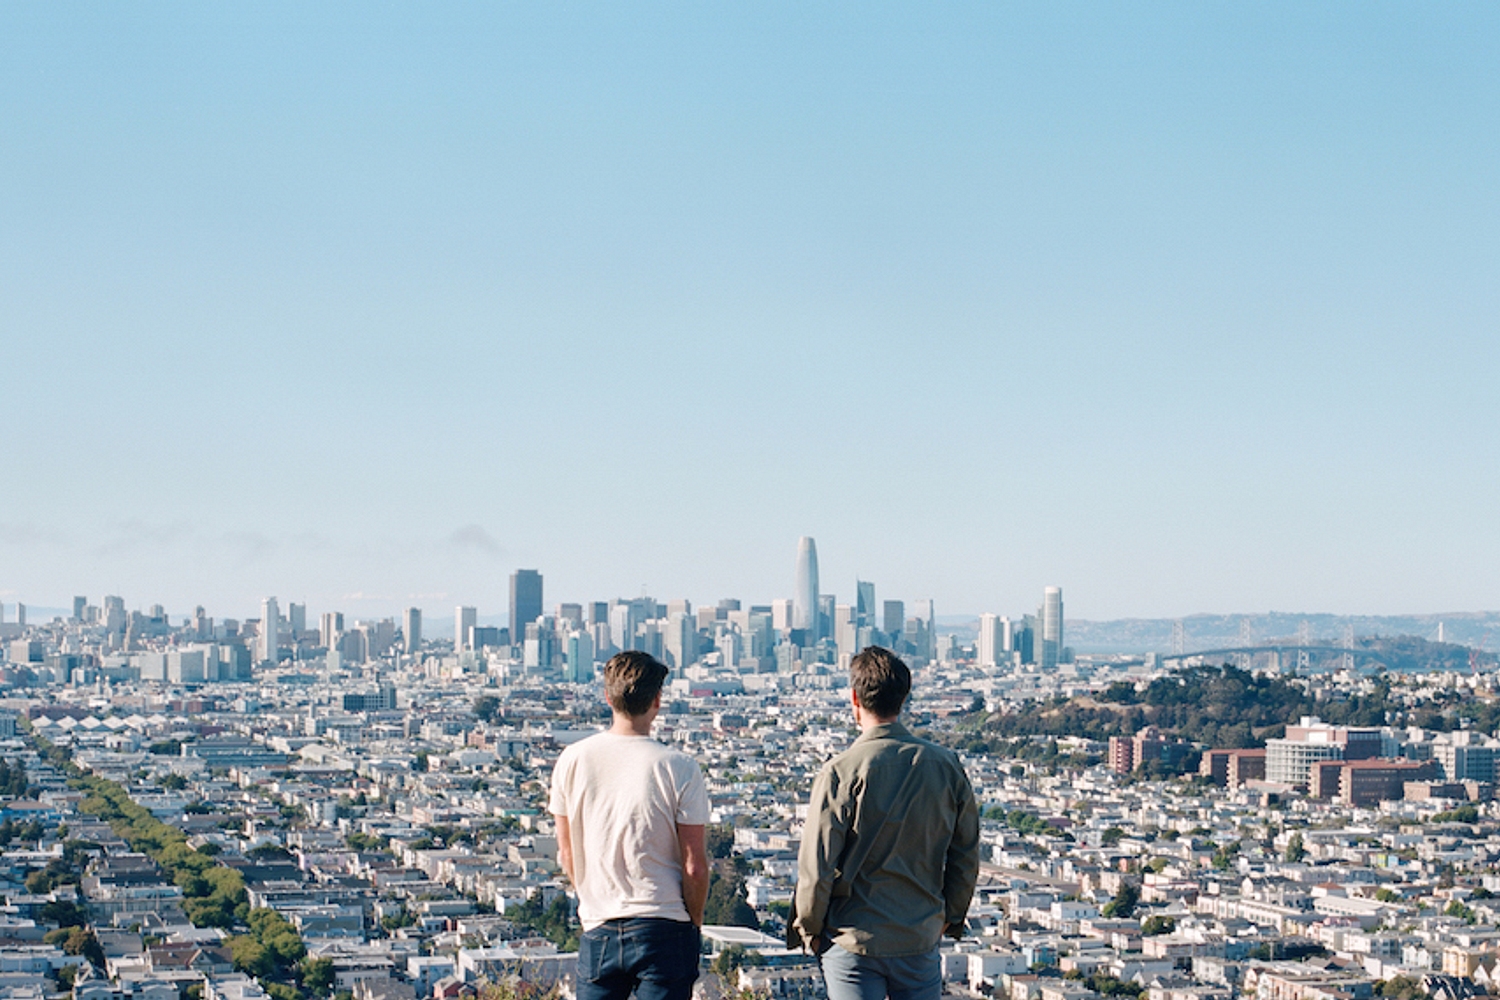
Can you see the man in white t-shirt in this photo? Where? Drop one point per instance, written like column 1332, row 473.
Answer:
column 631, row 815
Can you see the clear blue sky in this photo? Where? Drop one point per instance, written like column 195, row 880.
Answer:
column 1181, row 307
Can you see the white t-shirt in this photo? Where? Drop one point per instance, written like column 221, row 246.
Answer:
column 624, row 797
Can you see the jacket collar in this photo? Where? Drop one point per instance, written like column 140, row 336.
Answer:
column 886, row 731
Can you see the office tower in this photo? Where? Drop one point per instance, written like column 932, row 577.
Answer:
column 464, row 620
column 1007, row 638
column 826, row 606
column 893, row 617
column 681, row 641
column 296, row 616
column 569, row 616
column 599, row 613
column 845, row 633
column 926, row 640
column 79, row 603
column 115, row 618
column 525, row 600
column 991, row 648
column 20, row 614
column 203, row 626
column 805, row 608
column 781, row 615
column 1051, row 617
column 580, row 657
column 270, row 630
column 331, row 628
column 1024, row 639
column 411, row 629
column 864, row 603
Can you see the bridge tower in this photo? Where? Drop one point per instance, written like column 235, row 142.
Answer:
column 1179, row 638
column 1304, row 639
column 1247, row 639
column 1348, row 658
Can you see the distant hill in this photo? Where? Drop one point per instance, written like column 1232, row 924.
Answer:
column 1478, row 629
column 1220, row 706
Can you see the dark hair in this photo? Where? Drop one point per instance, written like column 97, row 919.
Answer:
column 632, row 680
column 881, row 681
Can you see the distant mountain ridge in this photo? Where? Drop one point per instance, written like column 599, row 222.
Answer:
column 1479, row 629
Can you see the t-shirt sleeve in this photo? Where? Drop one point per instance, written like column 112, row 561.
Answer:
column 692, row 792
column 557, row 800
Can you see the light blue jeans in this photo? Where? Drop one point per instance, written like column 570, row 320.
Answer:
column 848, row 976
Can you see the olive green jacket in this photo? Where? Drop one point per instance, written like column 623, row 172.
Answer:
column 890, row 850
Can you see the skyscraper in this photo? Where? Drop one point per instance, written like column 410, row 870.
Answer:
column 990, row 645
column 525, row 601
column 331, row 627
column 464, row 620
column 1051, row 617
column 894, row 617
column 296, row 615
column 411, row 629
column 270, row 630
column 805, row 606
column 864, row 603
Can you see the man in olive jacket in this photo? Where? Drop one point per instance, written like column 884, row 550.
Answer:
column 890, row 851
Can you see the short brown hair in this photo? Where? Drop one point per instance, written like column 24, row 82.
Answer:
column 881, row 681
column 632, row 680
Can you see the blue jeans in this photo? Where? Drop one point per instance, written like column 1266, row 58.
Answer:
column 848, row 976
column 656, row 959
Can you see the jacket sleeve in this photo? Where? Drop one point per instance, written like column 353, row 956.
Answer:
column 822, row 845
column 961, row 872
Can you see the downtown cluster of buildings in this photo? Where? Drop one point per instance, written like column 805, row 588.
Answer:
column 385, row 792
column 809, row 634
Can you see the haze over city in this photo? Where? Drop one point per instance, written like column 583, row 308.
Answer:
column 1182, row 309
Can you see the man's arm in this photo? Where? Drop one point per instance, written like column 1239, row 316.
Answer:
column 961, row 870
column 694, row 839
column 565, row 847
column 823, row 837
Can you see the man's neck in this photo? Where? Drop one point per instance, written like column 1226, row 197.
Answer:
column 632, row 725
column 868, row 722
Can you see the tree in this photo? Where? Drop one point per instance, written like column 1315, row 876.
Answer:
column 1294, row 850
column 728, row 903
column 250, row 956
column 64, row 914
column 317, row 975
column 720, row 840
column 1124, row 904
column 1158, row 924
column 732, row 959
column 1401, row 988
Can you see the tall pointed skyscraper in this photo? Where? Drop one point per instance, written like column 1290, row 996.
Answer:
column 805, row 606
